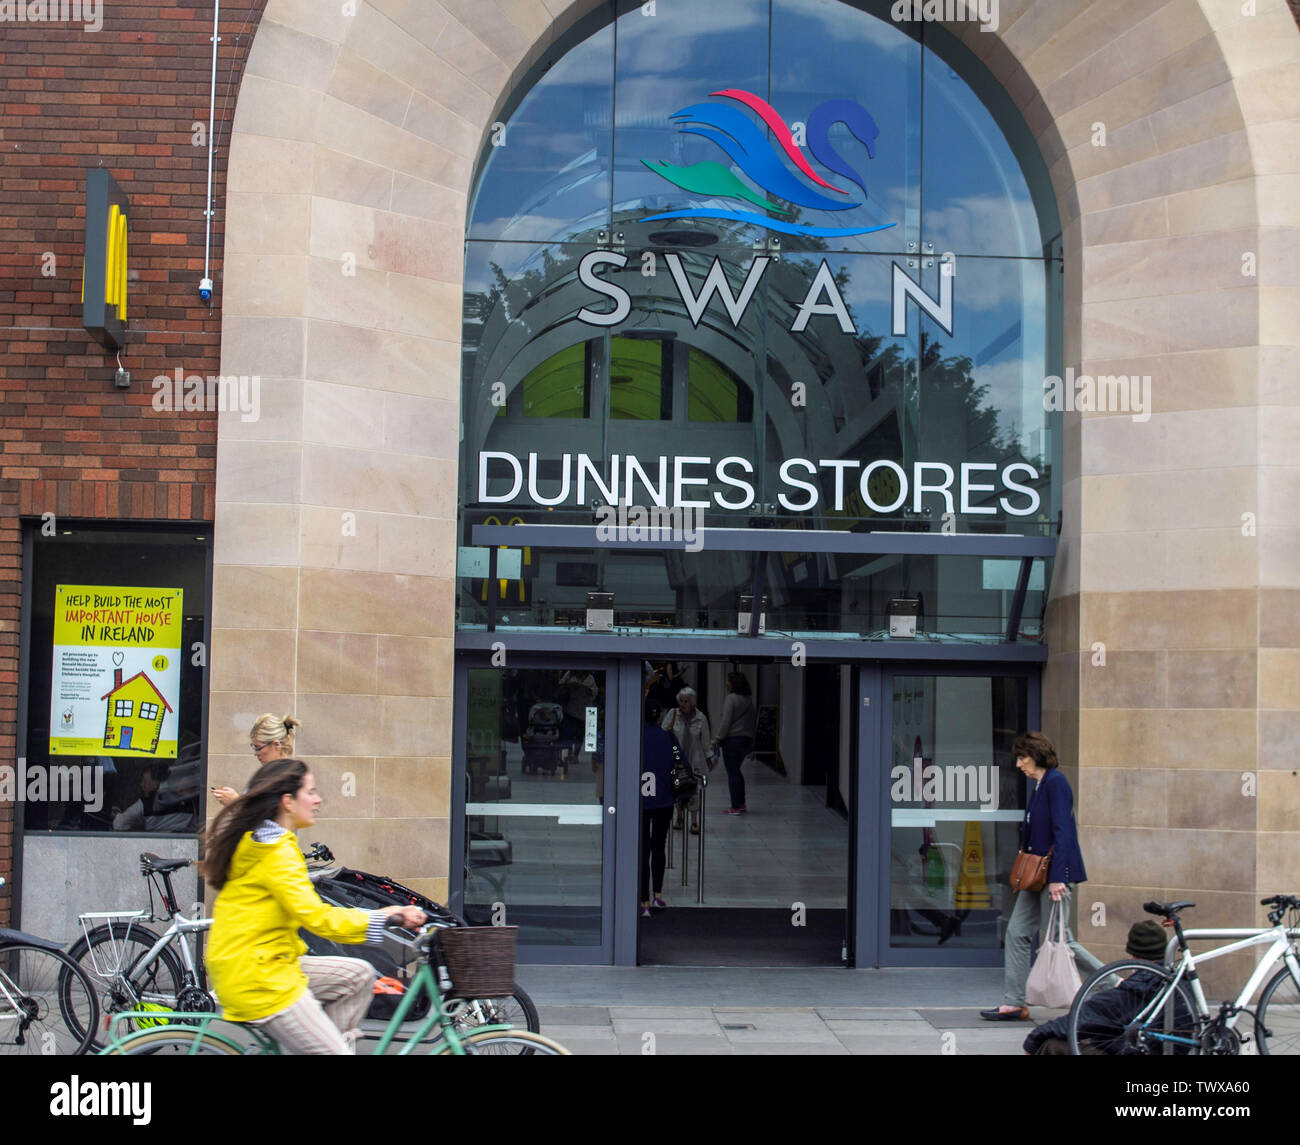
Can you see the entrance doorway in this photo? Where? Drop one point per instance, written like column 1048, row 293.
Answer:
column 537, row 835
column 768, row 886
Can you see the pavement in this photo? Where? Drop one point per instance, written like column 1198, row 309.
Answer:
column 688, row 1010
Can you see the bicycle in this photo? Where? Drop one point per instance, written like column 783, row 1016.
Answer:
column 342, row 886
column 137, row 969
column 435, row 980
column 47, row 1004
column 1172, row 1014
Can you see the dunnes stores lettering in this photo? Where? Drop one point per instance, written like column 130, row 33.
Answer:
column 674, row 482
column 885, row 486
column 823, row 297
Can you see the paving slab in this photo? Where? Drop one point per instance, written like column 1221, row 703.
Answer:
column 573, row 1015
column 691, row 1027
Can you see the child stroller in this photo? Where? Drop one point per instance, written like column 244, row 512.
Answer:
column 543, row 739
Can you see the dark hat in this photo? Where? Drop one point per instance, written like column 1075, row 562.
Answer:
column 1148, row 940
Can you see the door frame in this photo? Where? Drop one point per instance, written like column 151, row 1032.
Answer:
column 870, row 905
column 613, row 841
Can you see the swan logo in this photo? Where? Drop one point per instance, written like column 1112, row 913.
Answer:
column 764, row 162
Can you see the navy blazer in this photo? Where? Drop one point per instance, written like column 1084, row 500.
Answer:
column 1049, row 822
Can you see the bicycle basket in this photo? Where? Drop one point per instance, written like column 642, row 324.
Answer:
column 480, row 960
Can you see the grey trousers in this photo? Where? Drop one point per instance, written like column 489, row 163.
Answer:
column 1029, row 915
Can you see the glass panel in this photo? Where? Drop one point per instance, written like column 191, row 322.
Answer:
column 955, row 802
column 526, row 355
column 980, row 397
column 546, row 176
column 640, row 379
column 852, row 82
column 703, row 308
column 975, row 198
column 716, row 394
column 843, row 395
column 534, row 811
column 558, row 387
column 960, row 598
column 671, row 59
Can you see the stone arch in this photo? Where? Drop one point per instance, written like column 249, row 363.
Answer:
column 351, row 159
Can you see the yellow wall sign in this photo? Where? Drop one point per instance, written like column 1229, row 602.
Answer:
column 117, row 671
column 103, row 274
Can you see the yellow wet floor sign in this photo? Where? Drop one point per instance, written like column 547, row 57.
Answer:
column 972, row 889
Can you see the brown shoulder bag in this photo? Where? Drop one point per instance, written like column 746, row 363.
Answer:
column 1029, row 872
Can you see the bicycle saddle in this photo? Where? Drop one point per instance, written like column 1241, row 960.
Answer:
column 151, row 862
column 1165, row 909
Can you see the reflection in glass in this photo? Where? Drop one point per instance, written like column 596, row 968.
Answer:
column 546, row 175
column 534, row 809
column 823, row 51
column 955, row 803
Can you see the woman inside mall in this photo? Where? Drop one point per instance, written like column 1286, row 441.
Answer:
column 657, row 802
column 309, row 1005
column 691, row 727
column 735, row 734
column 1047, row 829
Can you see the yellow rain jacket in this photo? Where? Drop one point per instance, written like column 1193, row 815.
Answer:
column 253, row 947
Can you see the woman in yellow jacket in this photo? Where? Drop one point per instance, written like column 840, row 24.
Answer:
column 255, row 958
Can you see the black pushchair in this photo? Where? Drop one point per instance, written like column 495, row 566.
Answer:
column 543, row 740
column 343, row 886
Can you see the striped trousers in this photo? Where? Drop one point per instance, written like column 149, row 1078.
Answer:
column 326, row 1018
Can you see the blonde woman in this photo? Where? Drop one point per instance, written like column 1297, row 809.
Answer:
column 271, row 738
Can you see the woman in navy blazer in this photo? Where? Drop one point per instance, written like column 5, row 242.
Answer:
column 1048, row 825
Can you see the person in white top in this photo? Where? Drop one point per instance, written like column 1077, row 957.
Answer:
column 691, row 727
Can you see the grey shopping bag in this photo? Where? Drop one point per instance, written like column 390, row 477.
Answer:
column 1054, row 979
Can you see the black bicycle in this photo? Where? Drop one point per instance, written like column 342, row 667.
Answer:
column 47, row 1003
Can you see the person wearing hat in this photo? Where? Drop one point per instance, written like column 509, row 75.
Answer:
column 1107, row 1013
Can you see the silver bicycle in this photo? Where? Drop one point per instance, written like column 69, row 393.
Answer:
column 135, row 968
column 1138, row 1007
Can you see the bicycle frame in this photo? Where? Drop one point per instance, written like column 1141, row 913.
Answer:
column 1281, row 939
column 424, row 982
column 179, row 932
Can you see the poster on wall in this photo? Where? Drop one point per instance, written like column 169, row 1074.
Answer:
column 117, row 671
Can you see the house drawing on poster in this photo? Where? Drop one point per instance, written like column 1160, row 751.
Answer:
column 135, row 713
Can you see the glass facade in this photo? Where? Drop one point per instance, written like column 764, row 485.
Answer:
column 774, row 263
column 758, row 265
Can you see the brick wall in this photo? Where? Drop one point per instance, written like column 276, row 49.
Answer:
column 126, row 98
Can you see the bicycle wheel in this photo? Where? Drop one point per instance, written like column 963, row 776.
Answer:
column 515, row 1010
column 47, row 1004
column 1277, row 1020
column 176, row 1040
column 513, row 1043
column 109, row 956
column 1101, row 1016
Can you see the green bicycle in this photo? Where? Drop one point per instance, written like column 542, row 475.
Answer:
column 455, row 966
